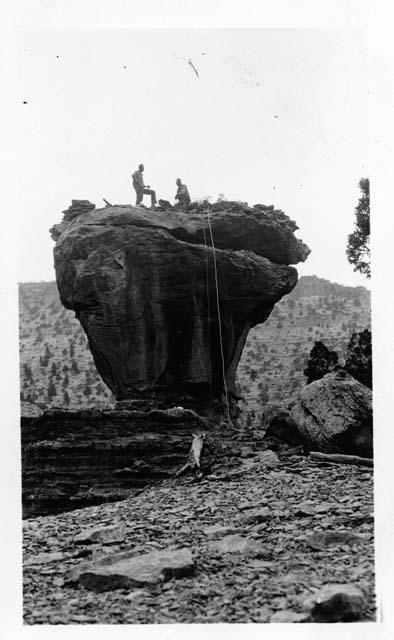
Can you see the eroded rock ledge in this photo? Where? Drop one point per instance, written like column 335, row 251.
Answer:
column 143, row 285
column 71, row 459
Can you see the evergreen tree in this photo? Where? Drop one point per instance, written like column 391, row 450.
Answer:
column 27, row 372
column 51, row 392
column 74, row 367
column 321, row 361
column 359, row 357
column 87, row 391
column 358, row 242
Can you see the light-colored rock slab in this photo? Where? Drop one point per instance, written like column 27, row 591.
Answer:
column 121, row 571
column 103, row 535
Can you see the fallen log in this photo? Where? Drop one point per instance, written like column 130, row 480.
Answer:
column 339, row 458
column 193, row 462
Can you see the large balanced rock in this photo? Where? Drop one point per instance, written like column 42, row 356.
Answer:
column 143, row 286
column 332, row 415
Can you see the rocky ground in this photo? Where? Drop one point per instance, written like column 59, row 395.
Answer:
column 261, row 538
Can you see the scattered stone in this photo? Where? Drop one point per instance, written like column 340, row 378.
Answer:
column 251, row 505
column 310, row 509
column 215, row 532
column 106, row 535
column 260, row 564
column 43, row 558
column 289, row 616
column 147, row 569
column 258, row 528
column 236, row 544
column 58, row 582
column 268, row 458
column 336, row 603
column 321, row 540
column 255, row 517
column 139, row 594
column 78, row 207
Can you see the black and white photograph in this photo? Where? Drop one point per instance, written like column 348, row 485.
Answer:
column 194, row 326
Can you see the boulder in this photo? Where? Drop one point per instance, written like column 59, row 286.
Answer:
column 336, row 603
column 331, row 415
column 319, row 541
column 143, row 286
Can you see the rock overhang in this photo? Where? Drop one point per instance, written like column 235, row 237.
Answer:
column 267, row 234
column 145, row 287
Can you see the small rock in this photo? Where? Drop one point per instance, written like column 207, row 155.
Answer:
column 289, row 616
column 43, row 558
column 268, row 458
column 255, row 517
column 324, row 539
column 72, row 575
column 80, row 617
column 305, row 509
column 120, row 571
column 105, row 535
column 215, row 532
column 336, row 602
column 242, row 506
column 58, row 582
column 237, row 544
column 261, row 564
column 139, row 594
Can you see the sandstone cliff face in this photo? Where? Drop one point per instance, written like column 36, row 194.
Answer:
column 142, row 285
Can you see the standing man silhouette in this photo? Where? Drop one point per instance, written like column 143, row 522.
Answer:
column 141, row 189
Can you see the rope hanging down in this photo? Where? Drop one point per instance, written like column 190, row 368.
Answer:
column 219, row 315
column 208, row 314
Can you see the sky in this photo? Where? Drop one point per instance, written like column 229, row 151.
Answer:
column 274, row 116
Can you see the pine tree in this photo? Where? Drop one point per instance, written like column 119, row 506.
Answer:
column 51, row 392
column 359, row 357
column 74, row 367
column 358, row 242
column 321, row 361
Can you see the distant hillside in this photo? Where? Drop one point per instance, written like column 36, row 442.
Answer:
column 57, row 368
